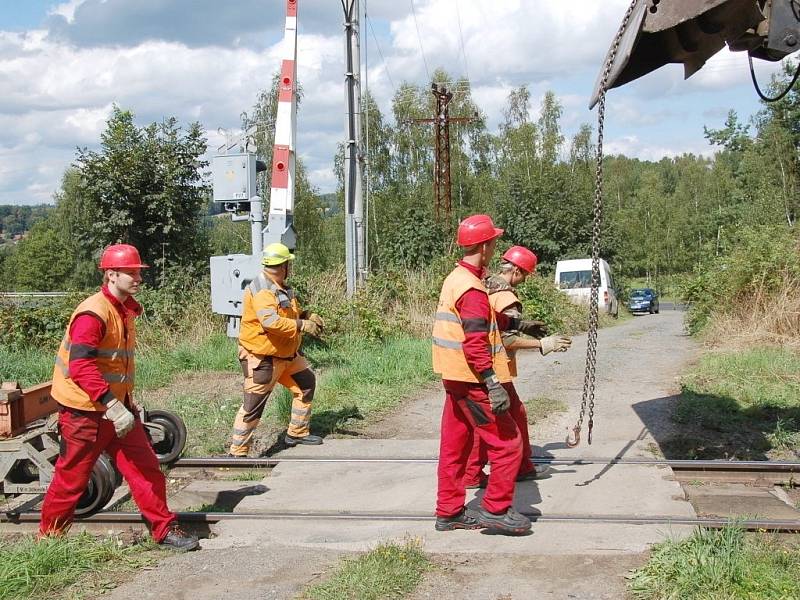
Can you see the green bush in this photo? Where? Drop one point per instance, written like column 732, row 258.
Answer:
column 36, row 322
column 543, row 301
column 759, row 263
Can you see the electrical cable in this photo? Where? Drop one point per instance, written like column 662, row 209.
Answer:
column 419, row 38
column 461, row 39
column 380, row 52
column 761, row 94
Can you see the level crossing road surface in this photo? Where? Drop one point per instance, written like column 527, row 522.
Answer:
column 638, row 364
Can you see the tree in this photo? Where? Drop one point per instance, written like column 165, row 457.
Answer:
column 143, row 187
column 41, row 262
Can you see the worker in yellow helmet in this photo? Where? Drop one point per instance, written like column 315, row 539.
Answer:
column 270, row 334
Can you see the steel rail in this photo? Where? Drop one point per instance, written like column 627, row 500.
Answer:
column 676, row 465
column 772, row 525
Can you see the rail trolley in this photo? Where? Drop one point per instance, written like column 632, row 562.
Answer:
column 29, row 446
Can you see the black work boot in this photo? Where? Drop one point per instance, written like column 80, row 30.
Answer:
column 539, row 472
column 460, row 521
column 179, row 540
column 309, row 440
column 508, row 523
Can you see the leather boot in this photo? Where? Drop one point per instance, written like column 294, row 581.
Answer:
column 309, row 440
column 460, row 521
column 179, row 540
column 507, row 523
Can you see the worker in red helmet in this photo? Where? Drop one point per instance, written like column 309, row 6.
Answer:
column 517, row 264
column 93, row 385
column 468, row 353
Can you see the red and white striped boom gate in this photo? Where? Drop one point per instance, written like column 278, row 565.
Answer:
column 281, row 198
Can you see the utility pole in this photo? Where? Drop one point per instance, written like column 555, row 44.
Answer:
column 353, row 157
column 443, row 203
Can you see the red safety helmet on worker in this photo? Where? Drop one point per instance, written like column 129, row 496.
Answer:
column 121, row 256
column 521, row 257
column 475, row 230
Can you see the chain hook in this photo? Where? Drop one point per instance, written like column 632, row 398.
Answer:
column 589, row 436
column 576, row 432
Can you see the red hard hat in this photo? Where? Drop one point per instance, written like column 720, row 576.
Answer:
column 121, row 256
column 476, row 230
column 521, row 257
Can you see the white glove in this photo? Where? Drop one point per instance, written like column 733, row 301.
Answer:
column 121, row 417
column 555, row 343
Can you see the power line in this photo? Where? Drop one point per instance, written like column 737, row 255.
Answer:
column 461, row 39
column 419, row 37
column 380, row 52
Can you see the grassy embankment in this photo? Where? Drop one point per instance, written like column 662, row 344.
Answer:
column 719, row 565
column 57, row 568
column 742, row 401
column 742, row 398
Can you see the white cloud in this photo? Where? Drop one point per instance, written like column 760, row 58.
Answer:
column 59, row 84
column 633, row 147
column 66, row 10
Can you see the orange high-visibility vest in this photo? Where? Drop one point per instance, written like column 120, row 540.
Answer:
column 115, row 357
column 269, row 319
column 448, row 333
column 500, row 301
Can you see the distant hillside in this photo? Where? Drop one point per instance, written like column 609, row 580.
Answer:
column 16, row 220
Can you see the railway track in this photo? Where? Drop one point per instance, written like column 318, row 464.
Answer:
column 755, row 472
column 211, row 518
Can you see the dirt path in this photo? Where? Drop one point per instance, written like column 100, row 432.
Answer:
column 638, row 364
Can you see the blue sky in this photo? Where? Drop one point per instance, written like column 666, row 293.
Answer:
column 64, row 64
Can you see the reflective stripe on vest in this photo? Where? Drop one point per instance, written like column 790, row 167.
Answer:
column 448, row 333
column 113, row 357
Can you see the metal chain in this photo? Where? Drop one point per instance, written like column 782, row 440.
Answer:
column 591, row 346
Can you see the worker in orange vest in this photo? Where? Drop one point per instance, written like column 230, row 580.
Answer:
column 93, row 385
column 469, row 355
column 270, row 335
column 517, row 264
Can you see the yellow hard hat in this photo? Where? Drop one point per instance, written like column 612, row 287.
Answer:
column 275, row 254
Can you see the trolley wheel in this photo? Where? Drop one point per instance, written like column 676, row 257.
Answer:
column 169, row 437
column 100, row 488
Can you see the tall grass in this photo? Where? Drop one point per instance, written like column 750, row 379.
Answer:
column 743, row 405
column 34, row 570
column 750, row 295
column 358, row 379
column 27, row 366
column 388, row 571
column 155, row 366
column 759, row 377
column 719, row 565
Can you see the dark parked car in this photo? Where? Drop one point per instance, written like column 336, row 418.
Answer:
column 643, row 300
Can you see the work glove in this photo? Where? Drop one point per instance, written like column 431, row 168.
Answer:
column 555, row 343
column 317, row 319
column 498, row 396
column 120, row 416
column 310, row 327
column 536, row 329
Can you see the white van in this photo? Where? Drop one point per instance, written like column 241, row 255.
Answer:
column 574, row 278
